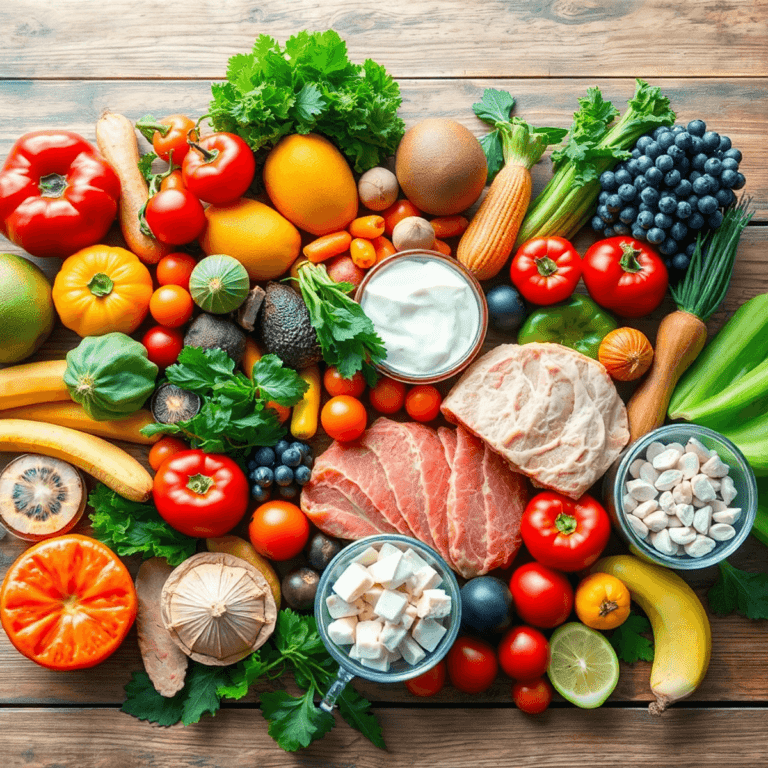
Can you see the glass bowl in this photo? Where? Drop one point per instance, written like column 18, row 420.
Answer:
column 740, row 471
column 477, row 335
column 400, row 670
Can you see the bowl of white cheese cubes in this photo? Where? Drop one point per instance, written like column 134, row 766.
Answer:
column 682, row 496
column 387, row 609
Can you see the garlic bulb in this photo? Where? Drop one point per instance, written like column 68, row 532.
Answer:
column 218, row 608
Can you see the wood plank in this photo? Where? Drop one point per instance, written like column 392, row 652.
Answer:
column 445, row 38
column 733, row 107
column 455, row 738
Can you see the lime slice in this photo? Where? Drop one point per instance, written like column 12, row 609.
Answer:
column 583, row 667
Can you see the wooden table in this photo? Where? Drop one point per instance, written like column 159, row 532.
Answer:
column 61, row 64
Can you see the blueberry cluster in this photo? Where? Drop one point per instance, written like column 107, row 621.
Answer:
column 286, row 466
column 676, row 183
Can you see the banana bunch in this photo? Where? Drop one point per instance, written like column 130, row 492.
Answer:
column 681, row 631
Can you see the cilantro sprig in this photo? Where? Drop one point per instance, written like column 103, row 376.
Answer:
column 628, row 641
column 737, row 590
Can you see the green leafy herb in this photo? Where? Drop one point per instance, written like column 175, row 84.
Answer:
column 130, row 528
column 629, row 643
column 310, row 85
column 234, row 416
column 145, row 165
column 345, row 333
column 737, row 590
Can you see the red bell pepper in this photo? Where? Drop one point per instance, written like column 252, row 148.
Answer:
column 57, row 194
column 546, row 269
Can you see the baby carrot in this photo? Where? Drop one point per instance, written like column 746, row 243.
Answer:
column 367, row 226
column 449, row 226
column 442, row 247
column 362, row 252
column 383, row 248
column 327, row 246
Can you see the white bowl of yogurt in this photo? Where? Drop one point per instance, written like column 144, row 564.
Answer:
column 429, row 311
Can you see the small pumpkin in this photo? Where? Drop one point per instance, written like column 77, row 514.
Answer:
column 101, row 290
column 110, row 376
column 626, row 354
column 219, row 284
column 602, row 601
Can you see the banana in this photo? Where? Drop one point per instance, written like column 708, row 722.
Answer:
column 105, row 461
column 33, row 383
column 681, row 630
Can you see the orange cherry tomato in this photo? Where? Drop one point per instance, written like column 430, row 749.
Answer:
column 171, row 305
column 422, row 403
column 278, row 530
column 164, row 448
column 362, row 252
column 67, row 602
column 283, row 411
column 399, row 210
column 387, row 396
column 175, row 269
column 336, row 385
column 174, row 180
column 344, row 418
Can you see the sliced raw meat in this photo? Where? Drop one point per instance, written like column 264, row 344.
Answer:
column 551, row 412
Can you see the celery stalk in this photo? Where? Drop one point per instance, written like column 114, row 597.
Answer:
column 760, row 528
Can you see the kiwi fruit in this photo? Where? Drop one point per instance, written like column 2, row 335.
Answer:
column 40, row 497
column 171, row 404
column 214, row 332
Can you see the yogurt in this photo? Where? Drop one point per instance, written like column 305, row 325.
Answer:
column 426, row 311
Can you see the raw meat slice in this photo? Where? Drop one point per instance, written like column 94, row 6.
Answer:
column 551, row 412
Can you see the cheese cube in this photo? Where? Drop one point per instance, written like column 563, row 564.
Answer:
column 342, row 631
column 353, row 582
column 410, row 614
column 391, row 605
column 339, row 608
column 353, row 654
column 425, row 578
column 367, row 613
column 428, row 633
column 395, row 656
column 367, row 639
column 367, row 557
column 392, row 635
column 392, row 571
column 414, row 559
column 412, row 652
column 380, row 665
column 434, row 604
column 373, row 594
column 388, row 549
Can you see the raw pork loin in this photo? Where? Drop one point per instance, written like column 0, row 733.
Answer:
column 551, row 412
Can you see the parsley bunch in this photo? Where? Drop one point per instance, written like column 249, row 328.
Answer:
column 737, row 590
column 629, row 643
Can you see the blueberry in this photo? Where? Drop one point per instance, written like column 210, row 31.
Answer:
column 680, row 261
column 597, row 223
column 678, row 231
column 653, row 150
column 714, row 183
column 280, row 447
column 654, row 176
column 677, row 129
column 645, row 207
column 725, row 144
column 640, row 183
column 645, row 219
column 713, row 166
column 302, row 475
column 729, row 164
column 658, row 131
column 710, row 141
column 695, row 146
column 259, row 494
column 613, row 203
column 701, row 186
column 635, row 153
column 656, row 236
column 707, row 205
column 623, row 176
column 693, row 201
column 673, row 178
column 668, row 247
column 718, row 153
column 665, row 163
column 604, row 215
column 263, row 476
column 690, row 249
column 693, row 175
column 724, row 197
column 643, row 142
column 283, row 475
column 740, row 181
column 643, row 164
column 632, row 165
column 696, row 221
column 729, row 179
column 308, row 461
column 303, row 448
column 638, row 233
column 732, row 154
column 676, row 154
column 683, row 165
column 628, row 215
column 288, row 491
column 667, row 204
column 602, row 197
column 666, row 140
column 698, row 161
column 252, row 464
column 696, row 127
column 608, row 181
column 608, row 232
column 684, row 140
column 264, row 457
column 715, row 219
column 291, row 457
column 683, row 189
column 620, row 229
column 650, row 196
column 684, row 209
column 627, row 193
column 662, row 221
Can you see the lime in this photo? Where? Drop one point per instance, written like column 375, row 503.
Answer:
column 583, row 667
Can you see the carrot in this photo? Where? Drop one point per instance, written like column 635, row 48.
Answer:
column 367, row 226
column 449, row 226
column 117, row 142
column 399, row 210
column 362, row 252
column 383, row 248
column 327, row 246
column 442, row 247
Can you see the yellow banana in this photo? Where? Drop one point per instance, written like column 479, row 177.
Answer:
column 681, row 631
column 33, row 383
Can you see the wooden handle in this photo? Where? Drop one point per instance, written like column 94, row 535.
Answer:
column 680, row 339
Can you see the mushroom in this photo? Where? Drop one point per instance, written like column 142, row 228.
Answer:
column 378, row 189
column 413, row 232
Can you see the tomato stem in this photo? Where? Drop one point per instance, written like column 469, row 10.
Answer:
column 52, row 185
column 200, row 484
column 608, row 606
column 208, row 155
column 628, row 261
column 566, row 523
column 546, row 266
column 101, row 284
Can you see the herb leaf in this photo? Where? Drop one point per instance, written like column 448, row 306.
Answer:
column 145, row 165
column 737, row 590
column 294, row 722
column 495, row 106
column 629, row 644
column 356, row 711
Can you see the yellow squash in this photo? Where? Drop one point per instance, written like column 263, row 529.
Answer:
column 305, row 412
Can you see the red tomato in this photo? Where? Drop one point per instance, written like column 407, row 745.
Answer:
column 565, row 534
column 532, row 696
column 430, row 682
column 524, row 653
column 399, row 210
column 472, row 664
column 171, row 305
column 163, row 449
column 344, row 418
column 625, row 275
column 387, row 396
column 422, row 403
column 167, row 134
column 546, row 269
column 175, row 269
column 163, row 345
column 201, row 494
column 175, row 216
column 278, row 530
column 336, row 385
column 541, row 596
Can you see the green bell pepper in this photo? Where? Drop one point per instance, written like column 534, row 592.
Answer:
column 578, row 323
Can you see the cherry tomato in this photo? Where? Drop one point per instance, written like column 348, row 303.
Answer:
column 422, row 403
column 472, row 664
column 175, row 216
column 175, row 269
column 278, row 530
column 430, row 682
column 532, row 696
column 336, row 385
column 166, row 134
column 541, row 596
column 163, row 449
column 174, row 180
column 387, row 396
column 399, row 210
column 171, row 305
column 344, row 418
column 524, row 653
column 163, row 345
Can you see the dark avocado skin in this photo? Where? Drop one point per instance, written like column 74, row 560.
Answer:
column 285, row 329
column 214, row 332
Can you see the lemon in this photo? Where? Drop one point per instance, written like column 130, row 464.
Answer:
column 583, row 667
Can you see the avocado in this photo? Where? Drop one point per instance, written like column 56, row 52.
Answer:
column 285, row 328
column 214, row 332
